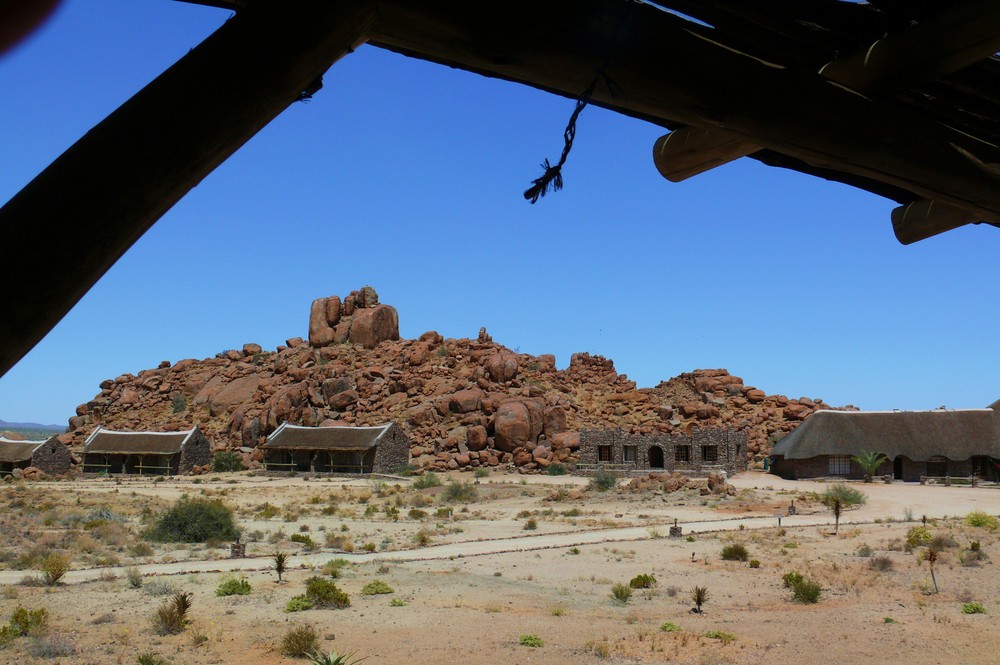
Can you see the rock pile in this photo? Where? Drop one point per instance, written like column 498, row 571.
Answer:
column 464, row 403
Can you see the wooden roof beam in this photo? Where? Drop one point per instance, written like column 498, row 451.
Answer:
column 108, row 188
column 961, row 36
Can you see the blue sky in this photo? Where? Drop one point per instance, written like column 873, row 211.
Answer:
column 408, row 176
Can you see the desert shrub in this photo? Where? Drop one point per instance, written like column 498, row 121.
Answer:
column 481, row 472
column 699, row 595
column 720, row 635
column 24, row 622
column 376, row 587
column 460, row 492
column 170, row 618
column 298, row 603
column 416, row 514
column 882, row 564
column 303, row 538
column 54, row 566
column 917, row 536
column 193, row 521
column 735, row 552
column 333, row 658
column 670, row 627
column 140, row 549
column 232, row 586
column 978, row 518
column 791, row 579
column 227, row 460
column 755, row 563
column 643, row 581
column 603, row 480
column 397, row 602
column 557, row 469
column 427, row 481
column 973, row 608
column 531, row 524
column 806, row 591
column 864, row 550
column 134, row 577
column 324, row 593
column 52, row 645
column 159, row 588
column 621, row 593
column 530, row 641
column 177, row 403
column 150, row 658
column 300, row 641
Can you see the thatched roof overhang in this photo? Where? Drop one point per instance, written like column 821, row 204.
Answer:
column 14, row 451
column 298, row 437
column 109, row 442
column 916, row 435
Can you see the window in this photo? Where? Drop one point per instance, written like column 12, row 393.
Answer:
column 603, row 453
column 630, row 454
column 710, row 454
column 840, row 465
column 682, row 454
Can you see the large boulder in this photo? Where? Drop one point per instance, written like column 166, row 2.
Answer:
column 370, row 326
column 465, row 401
column 518, row 424
column 502, row 367
column 320, row 331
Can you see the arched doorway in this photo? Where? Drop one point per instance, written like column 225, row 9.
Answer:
column 655, row 457
column 897, row 467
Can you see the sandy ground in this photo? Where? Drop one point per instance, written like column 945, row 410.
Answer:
column 484, row 580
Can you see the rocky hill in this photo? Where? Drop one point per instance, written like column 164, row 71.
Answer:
column 463, row 402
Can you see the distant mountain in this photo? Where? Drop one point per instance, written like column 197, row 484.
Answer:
column 33, row 426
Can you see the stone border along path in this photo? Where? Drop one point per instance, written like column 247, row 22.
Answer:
column 446, row 551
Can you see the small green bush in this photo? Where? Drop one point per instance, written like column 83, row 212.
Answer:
column 643, row 581
column 603, row 480
column 334, row 658
column 978, row 518
column 755, row 563
column 397, row 602
column 171, row 617
column 324, row 593
column 376, row 587
column 720, row 635
column 531, row 524
column 481, row 472
column 232, row 586
column 300, row 641
column 193, row 521
column 178, row 404
column 54, row 566
column 973, row 608
column 460, row 492
column 417, row 514
column 427, row 481
column 304, row 539
column 226, row 461
column 791, row 579
column 557, row 469
column 882, row 564
column 531, row 641
column 917, row 536
column 670, row 627
column 25, row 622
column 735, row 552
column 621, row 592
column 150, row 658
column 298, row 603
column 806, row 591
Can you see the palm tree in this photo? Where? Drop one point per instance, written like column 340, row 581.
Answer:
column 839, row 497
column 870, row 461
column 932, row 557
column 699, row 595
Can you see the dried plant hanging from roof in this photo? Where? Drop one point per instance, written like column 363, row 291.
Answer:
column 553, row 173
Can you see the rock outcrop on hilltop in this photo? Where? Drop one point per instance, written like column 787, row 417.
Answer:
column 464, row 402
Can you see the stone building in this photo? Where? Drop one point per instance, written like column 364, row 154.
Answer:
column 145, row 453
column 701, row 452
column 938, row 443
column 379, row 449
column 50, row 456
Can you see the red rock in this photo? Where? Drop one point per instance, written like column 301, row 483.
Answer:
column 374, row 325
column 432, row 337
column 546, row 362
column 554, row 420
column 706, row 411
column 465, row 401
column 796, row 411
column 565, row 440
column 462, row 459
column 755, row 396
column 518, row 423
column 423, row 415
column 333, row 305
column 502, row 367
column 294, row 342
column 475, row 438
column 522, row 456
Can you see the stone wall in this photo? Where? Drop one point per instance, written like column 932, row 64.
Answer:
column 686, row 453
column 197, row 452
column 52, row 457
column 392, row 452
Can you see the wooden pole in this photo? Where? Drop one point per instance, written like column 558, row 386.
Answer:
column 90, row 205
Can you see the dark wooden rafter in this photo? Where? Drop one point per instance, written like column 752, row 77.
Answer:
column 106, row 190
column 964, row 34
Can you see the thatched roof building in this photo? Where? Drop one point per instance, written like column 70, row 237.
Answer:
column 48, row 455
column 935, row 443
column 158, row 453
column 378, row 449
